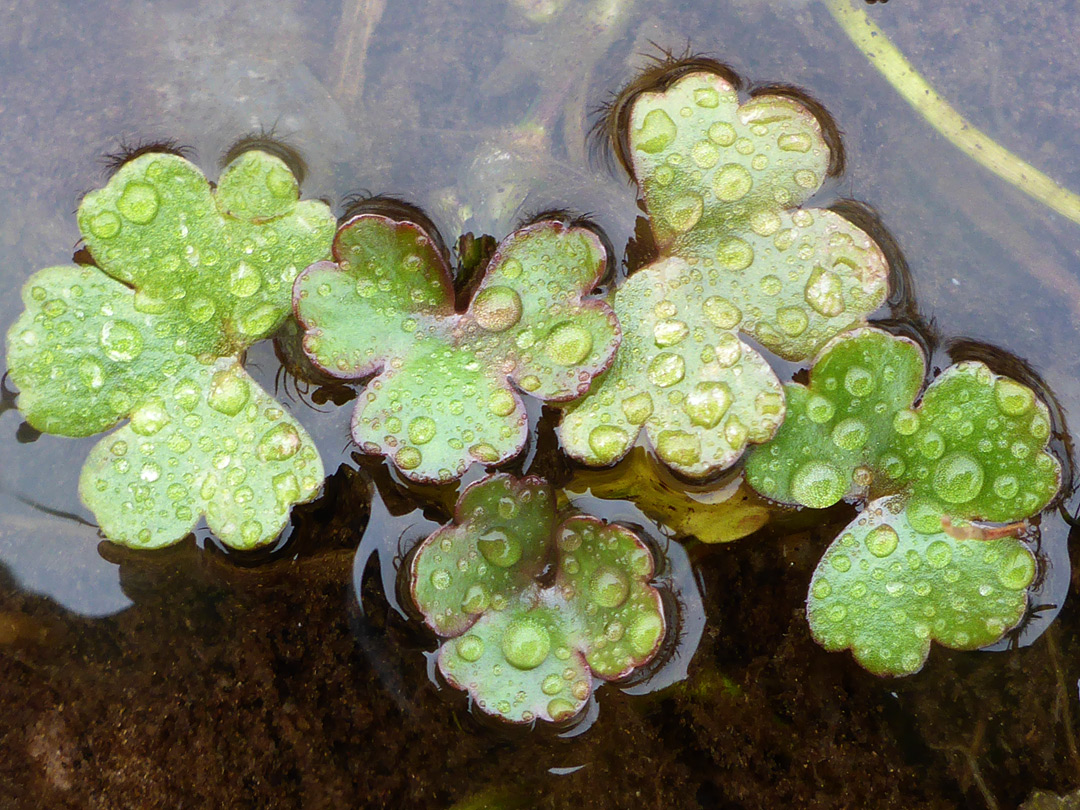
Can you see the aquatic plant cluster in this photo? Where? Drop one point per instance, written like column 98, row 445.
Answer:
column 532, row 603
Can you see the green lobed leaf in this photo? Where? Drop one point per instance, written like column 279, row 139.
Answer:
column 609, row 567
column 524, row 644
column 222, row 266
column 911, row 569
column 722, row 183
column 498, row 544
column 387, row 285
column 517, row 664
column 186, row 278
column 211, row 442
column 885, row 590
column 974, row 448
column 81, row 353
column 700, row 393
column 445, row 391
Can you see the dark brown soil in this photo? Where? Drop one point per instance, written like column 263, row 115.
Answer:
column 267, row 686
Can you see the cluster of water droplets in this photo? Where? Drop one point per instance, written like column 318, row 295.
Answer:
column 220, row 264
column 882, row 573
column 186, row 278
column 973, row 448
column 524, row 651
column 444, row 398
column 718, row 180
column 214, row 444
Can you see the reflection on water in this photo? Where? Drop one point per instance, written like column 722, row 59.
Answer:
column 478, row 111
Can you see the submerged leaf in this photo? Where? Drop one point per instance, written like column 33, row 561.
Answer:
column 911, row 569
column 186, row 279
column 713, row 515
column 526, row 647
column 446, row 386
column 723, row 183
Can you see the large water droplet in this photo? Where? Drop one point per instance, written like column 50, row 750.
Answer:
column 421, row 429
column 105, row 225
column 121, row 341
column 722, row 312
column 735, row 253
column 931, row 444
column 499, row 548
column 475, row 600
column 138, row 202
column 408, row 458
column 656, row 134
column 707, row 403
column 824, row 292
column 859, row 382
column 567, row 344
column 497, row 308
column 229, row 393
column 722, row 133
column 149, row 418
column 706, row 97
column 608, row 443
column 670, row 332
column 91, row 373
column 958, row 478
column 818, row 484
column 440, row 579
column 795, row 142
column 260, row 320
column 244, row 280
column 559, row 709
column 684, row 212
column 1013, row 399
column 279, row 443
column 938, row 554
column 526, row 644
column 704, row 154
column 644, row 634
column 679, row 448
column 850, row 434
column 286, row 489
column 609, row 587
column 882, row 540
column 1006, row 486
column 819, row 409
column 906, row 422
column 551, row 685
column 666, row 369
column 638, row 408
column 732, row 182
column 470, row 647
column 792, row 321
column 1017, row 570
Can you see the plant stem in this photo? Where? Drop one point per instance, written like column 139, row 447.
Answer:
column 354, row 30
column 891, row 63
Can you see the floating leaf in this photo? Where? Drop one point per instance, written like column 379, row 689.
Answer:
column 446, row 386
column 722, row 183
column 524, row 646
column 885, row 590
column 973, row 449
column 186, row 279
column 911, row 568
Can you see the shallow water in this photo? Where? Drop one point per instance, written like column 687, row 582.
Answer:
column 478, row 113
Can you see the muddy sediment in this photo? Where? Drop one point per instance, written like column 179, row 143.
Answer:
column 270, row 686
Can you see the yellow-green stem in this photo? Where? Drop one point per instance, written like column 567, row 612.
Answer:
column 884, row 56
